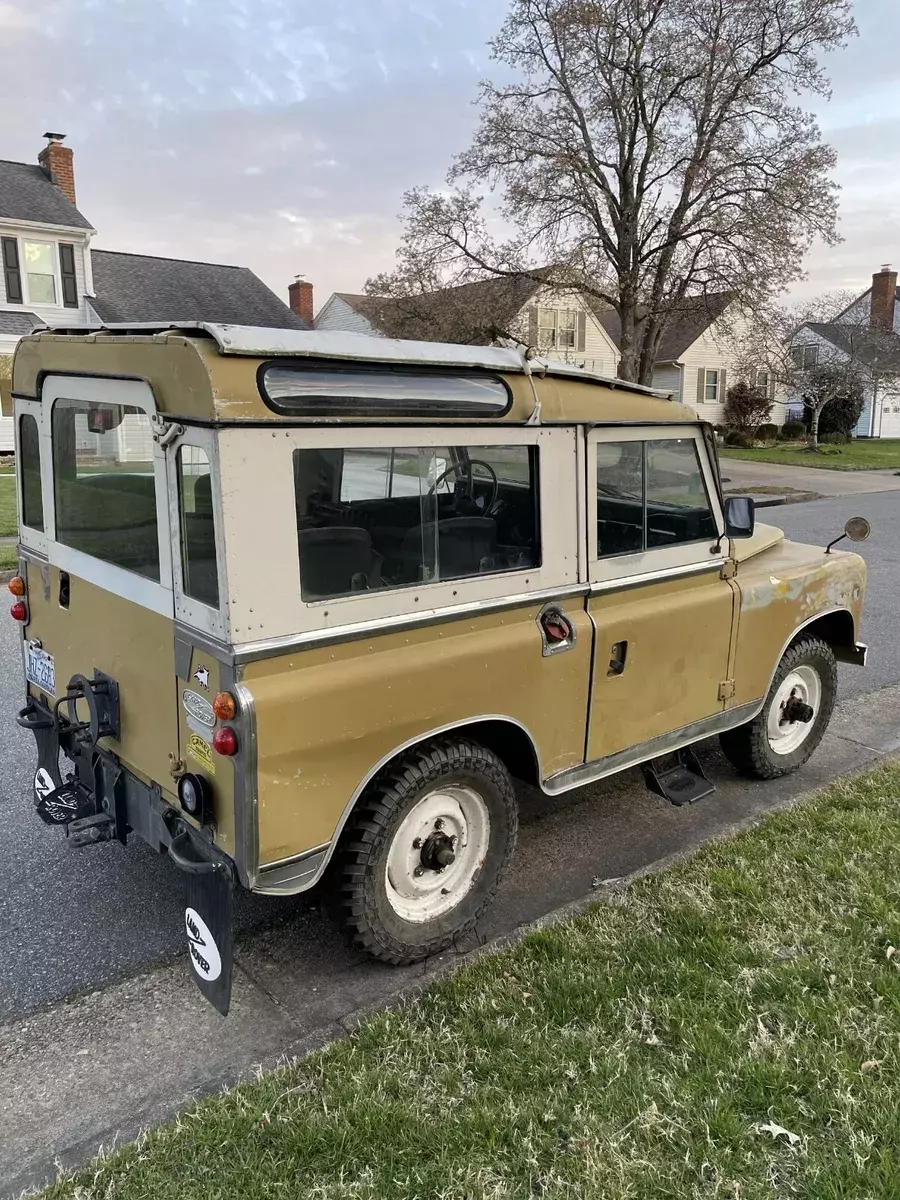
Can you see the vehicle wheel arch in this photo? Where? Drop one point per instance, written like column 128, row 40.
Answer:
column 508, row 738
column 835, row 627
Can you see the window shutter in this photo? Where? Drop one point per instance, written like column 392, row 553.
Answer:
column 771, row 386
column 11, row 276
column 67, row 274
column 533, row 328
column 582, row 331
column 722, row 394
column 701, row 384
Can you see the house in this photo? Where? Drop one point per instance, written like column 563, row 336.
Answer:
column 562, row 324
column 702, row 346
column 53, row 276
column 866, row 334
column 701, row 352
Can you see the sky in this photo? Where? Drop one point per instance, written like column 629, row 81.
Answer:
column 281, row 134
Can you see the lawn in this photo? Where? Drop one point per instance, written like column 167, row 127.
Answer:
column 9, row 558
column 877, row 454
column 8, row 519
column 730, row 1029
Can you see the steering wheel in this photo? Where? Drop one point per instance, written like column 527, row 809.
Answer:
column 458, row 468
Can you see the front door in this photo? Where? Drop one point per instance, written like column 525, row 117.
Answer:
column 661, row 610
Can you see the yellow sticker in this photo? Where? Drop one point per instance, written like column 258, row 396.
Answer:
column 201, row 752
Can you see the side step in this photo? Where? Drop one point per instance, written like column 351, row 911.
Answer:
column 678, row 777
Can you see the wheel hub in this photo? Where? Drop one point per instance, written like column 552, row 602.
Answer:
column 793, row 709
column 438, row 851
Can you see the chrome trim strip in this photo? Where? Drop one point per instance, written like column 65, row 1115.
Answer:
column 611, row 764
column 364, row 783
column 30, row 555
column 246, row 786
column 293, row 877
column 270, row 647
column 218, row 650
column 624, row 582
column 292, row 858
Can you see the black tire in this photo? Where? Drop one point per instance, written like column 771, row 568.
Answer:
column 748, row 747
column 359, row 875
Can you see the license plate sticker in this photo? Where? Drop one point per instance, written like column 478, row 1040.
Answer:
column 40, row 669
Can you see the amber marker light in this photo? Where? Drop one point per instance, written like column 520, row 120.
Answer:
column 17, row 585
column 225, row 706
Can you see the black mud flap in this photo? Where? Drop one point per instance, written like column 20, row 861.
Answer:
column 207, row 919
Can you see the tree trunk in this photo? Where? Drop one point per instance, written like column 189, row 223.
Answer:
column 813, row 440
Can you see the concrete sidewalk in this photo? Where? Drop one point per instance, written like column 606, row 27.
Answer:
column 95, row 1070
column 744, row 475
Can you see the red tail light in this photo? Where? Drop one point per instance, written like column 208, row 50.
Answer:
column 225, row 741
column 18, row 611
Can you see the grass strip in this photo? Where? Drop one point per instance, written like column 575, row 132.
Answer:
column 877, row 454
column 727, row 1029
column 8, row 518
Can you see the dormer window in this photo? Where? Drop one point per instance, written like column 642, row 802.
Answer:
column 39, row 270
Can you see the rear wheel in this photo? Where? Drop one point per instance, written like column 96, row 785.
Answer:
column 423, row 855
column 794, row 717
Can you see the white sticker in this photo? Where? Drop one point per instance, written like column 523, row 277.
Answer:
column 205, row 957
column 43, row 784
column 202, row 677
column 197, row 707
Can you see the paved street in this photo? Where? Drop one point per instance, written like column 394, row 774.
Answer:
column 744, row 474
column 73, row 920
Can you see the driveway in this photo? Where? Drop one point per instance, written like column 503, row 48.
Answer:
column 744, row 475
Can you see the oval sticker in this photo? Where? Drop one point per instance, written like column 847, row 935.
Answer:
column 205, row 957
column 197, row 707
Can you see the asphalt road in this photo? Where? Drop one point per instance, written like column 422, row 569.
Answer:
column 72, row 920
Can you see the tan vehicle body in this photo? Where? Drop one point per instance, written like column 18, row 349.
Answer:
column 327, row 697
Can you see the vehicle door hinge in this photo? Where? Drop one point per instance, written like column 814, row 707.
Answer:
column 726, row 689
column 729, row 569
column 165, row 431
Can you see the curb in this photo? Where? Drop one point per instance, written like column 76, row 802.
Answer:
column 800, row 498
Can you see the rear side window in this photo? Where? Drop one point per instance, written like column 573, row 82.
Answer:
column 29, row 465
column 369, row 519
column 198, row 531
column 650, row 494
column 104, row 484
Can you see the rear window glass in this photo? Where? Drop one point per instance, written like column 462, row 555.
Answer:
column 29, row 465
column 304, row 391
column 104, row 484
column 370, row 519
column 198, row 531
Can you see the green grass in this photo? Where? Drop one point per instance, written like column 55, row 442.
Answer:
column 8, row 519
column 878, row 454
column 730, row 1029
column 9, row 558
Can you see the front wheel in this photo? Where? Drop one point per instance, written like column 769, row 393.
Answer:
column 794, row 717
column 423, row 855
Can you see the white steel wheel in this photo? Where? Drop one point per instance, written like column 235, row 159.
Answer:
column 437, row 852
column 793, row 710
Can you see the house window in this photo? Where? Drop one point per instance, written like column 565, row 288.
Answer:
column 762, row 381
column 711, row 388
column 557, row 328
column 805, row 357
column 40, row 272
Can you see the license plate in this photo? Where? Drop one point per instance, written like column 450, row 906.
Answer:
column 40, row 669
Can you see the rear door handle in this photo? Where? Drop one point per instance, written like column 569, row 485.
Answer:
column 617, row 657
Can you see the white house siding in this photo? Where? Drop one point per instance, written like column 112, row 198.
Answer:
column 717, row 349
column 6, row 435
column 337, row 314
column 600, row 355
column 667, row 378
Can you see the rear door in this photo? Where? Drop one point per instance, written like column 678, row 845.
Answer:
column 98, row 551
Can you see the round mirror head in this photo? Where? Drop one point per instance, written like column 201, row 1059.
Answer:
column 857, row 529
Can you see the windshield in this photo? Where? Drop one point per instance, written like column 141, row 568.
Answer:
column 104, row 484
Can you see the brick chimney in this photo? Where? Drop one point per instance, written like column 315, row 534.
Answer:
column 884, row 292
column 56, row 159
column 300, row 298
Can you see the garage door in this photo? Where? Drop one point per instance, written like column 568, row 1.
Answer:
column 890, row 420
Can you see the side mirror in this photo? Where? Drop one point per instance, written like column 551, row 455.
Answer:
column 857, row 529
column 740, row 516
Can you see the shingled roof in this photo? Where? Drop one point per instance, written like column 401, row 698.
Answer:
column 687, row 321
column 475, row 312
column 870, row 347
column 139, row 287
column 27, row 194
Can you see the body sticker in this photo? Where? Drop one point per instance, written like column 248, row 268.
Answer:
column 201, row 752
column 197, row 707
column 205, row 957
column 43, row 783
column 202, row 677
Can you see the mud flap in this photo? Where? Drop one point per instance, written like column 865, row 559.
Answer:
column 208, row 922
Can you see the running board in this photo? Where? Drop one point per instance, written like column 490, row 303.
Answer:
column 678, row 777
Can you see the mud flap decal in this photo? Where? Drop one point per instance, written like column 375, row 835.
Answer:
column 210, row 934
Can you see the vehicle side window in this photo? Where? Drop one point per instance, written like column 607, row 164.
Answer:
column 29, row 464
column 369, row 519
column 198, row 531
column 650, row 494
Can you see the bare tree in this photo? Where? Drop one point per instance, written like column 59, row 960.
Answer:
column 648, row 149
